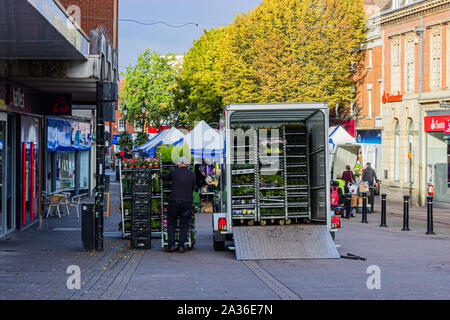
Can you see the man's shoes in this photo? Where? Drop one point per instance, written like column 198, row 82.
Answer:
column 182, row 250
column 170, row 249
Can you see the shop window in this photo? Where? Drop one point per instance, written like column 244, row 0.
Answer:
column 438, row 158
column 65, row 170
column 84, row 169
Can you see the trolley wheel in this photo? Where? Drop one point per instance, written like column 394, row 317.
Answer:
column 281, row 222
column 288, row 221
column 263, row 222
column 272, row 220
column 307, row 221
column 251, row 222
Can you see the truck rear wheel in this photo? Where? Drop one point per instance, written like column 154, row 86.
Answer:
column 219, row 245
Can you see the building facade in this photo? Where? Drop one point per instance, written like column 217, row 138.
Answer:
column 416, row 80
column 49, row 70
column 368, row 96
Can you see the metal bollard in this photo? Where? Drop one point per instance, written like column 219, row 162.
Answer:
column 364, row 208
column 405, row 213
column 383, row 210
column 430, row 215
column 347, row 205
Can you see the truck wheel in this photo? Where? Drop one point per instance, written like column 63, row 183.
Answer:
column 219, row 245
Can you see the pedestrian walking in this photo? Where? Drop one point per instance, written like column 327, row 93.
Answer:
column 348, row 177
column 370, row 176
column 180, row 204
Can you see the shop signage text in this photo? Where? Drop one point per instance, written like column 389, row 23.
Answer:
column 447, row 126
column 436, row 123
column 392, row 98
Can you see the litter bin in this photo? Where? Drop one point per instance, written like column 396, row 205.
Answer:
column 88, row 226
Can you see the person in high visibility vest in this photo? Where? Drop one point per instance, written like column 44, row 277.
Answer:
column 341, row 182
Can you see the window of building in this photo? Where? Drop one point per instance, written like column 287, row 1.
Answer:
column 137, row 126
column 369, row 98
column 436, row 61
column 396, row 151
column 395, row 67
column 122, row 124
column 410, row 65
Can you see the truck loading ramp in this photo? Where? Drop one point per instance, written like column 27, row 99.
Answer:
column 284, row 242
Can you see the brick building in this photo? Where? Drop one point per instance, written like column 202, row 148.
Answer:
column 93, row 14
column 416, row 79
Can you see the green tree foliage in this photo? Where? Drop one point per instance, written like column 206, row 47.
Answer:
column 140, row 139
column 151, row 81
column 125, row 141
column 197, row 85
column 281, row 51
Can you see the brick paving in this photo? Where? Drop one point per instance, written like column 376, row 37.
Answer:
column 413, row 265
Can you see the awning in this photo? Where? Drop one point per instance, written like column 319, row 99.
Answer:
column 39, row 29
column 205, row 142
column 68, row 135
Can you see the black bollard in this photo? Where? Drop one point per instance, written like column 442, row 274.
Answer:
column 405, row 213
column 364, row 207
column 383, row 210
column 430, row 215
column 348, row 197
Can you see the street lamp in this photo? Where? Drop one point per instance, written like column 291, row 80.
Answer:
column 125, row 110
column 143, row 110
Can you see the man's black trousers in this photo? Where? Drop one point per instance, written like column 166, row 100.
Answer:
column 178, row 210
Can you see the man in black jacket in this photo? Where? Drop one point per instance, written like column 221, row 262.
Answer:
column 180, row 204
column 370, row 176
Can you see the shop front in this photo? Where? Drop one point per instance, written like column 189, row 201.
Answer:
column 68, row 154
column 438, row 157
column 370, row 140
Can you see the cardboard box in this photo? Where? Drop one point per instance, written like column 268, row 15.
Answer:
column 354, row 202
column 364, row 187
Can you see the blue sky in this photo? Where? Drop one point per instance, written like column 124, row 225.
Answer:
column 135, row 38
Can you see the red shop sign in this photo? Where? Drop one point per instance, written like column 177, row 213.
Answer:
column 437, row 123
column 447, row 126
column 387, row 97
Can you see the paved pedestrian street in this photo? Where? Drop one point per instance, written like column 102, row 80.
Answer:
column 33, row 265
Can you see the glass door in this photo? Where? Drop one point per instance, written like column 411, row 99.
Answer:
column 10, row 169
column 2, row 179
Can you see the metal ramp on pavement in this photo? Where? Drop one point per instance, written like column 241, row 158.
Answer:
column 284, row 242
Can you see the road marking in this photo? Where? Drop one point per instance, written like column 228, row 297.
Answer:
column 273, row 283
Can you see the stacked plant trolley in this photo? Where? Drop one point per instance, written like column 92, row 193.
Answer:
column 272, row 184
column 141, row 216
column 272, row 181
column 296, row 171
column 166, row 167
column 244, row 178
column 142, row 209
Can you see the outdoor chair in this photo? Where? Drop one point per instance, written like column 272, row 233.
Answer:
column 64, row 199
column 55, row 201
column 77, row 201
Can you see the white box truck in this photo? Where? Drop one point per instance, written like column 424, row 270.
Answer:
column 275, row 182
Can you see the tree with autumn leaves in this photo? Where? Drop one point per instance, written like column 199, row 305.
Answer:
column 281, row 51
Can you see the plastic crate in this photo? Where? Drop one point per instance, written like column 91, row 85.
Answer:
column 140, row 199
column 140, row 227
column 141, row 242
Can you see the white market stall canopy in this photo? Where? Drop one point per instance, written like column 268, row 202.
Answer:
column 171, row 136
column 205, row 142
column 338, row 135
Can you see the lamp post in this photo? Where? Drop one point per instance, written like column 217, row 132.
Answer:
column 144, row 111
